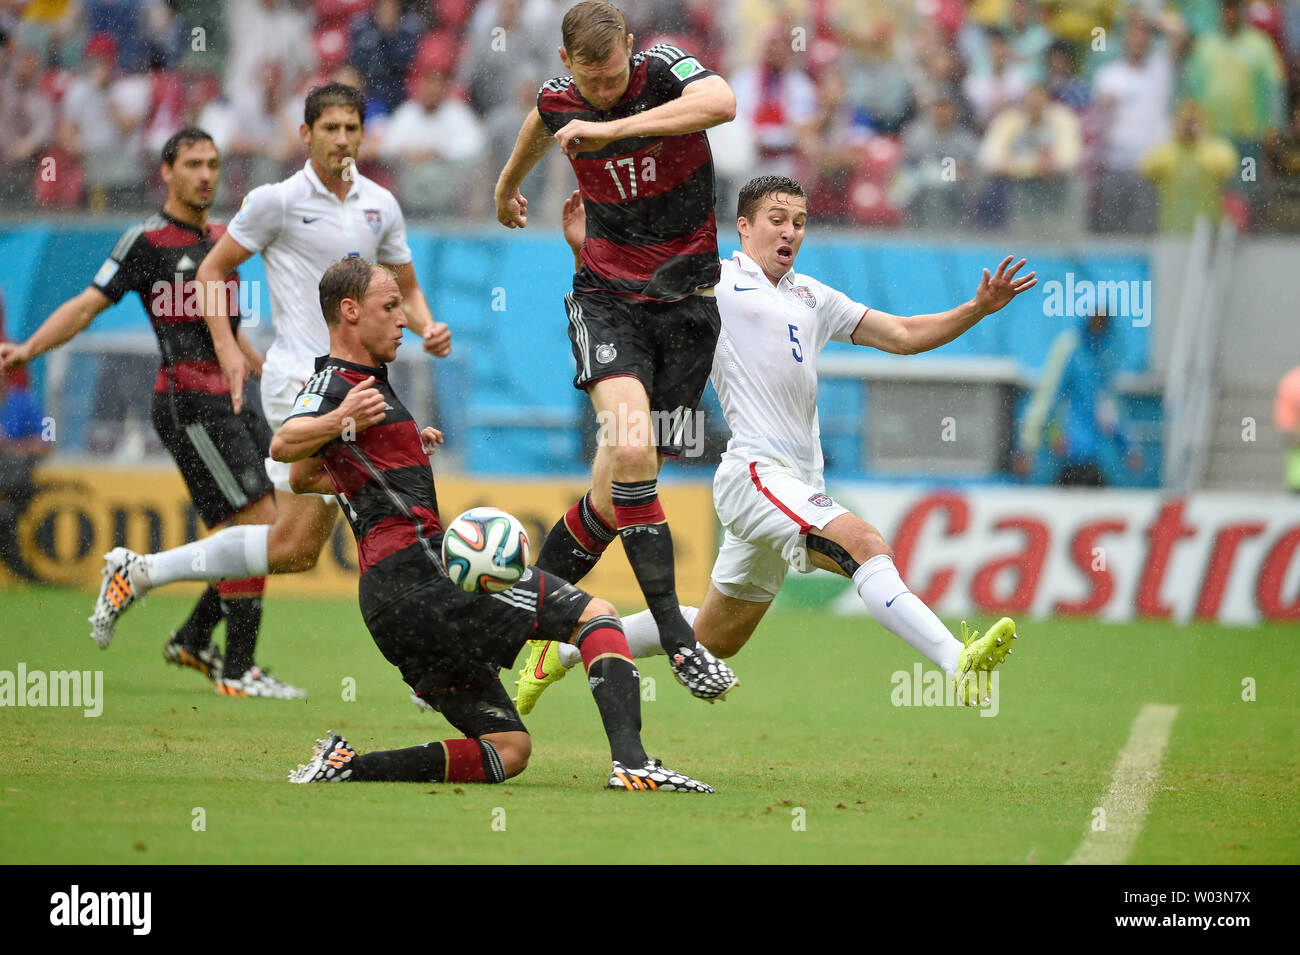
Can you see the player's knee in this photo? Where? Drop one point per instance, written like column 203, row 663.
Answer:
column 872, row 544
column 634, row 462
column 597, row 607
column 514, row 750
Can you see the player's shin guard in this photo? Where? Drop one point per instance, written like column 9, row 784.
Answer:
column 575, row 543
column 903, row 614
column 649, row 547
column 615, row 685
column 196, row 633
column 241, row 603
column 444, row 761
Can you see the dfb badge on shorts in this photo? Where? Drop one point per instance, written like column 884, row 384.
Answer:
column 805, row 295
column 606, row 353
column 821, row 500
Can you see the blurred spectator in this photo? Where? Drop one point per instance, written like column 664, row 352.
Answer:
column 776, row 97
column 439, row 143
column 877, row 85
column 502, row 127
column 1191, row 171
column 1074, row 408
column 27, row 116
column 832, row 145
column 941, row 76
column 382, row 50
column 102, row 125
column 1280, row 208
column 1029, row 39
column 1235, row 74
column 1000, row 87
column 939, row 156
column 497, row 57
column 1133, row 96
column 264, row 137
column 124, row 21
column 55, row 29
column 262, row 32
column 203, row 29
column 1034, row 150
column 1286, row 418
column 1064, row 84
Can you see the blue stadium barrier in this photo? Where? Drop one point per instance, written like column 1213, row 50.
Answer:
column 506, row 396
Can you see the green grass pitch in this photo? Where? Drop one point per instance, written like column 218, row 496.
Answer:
column 811, row 759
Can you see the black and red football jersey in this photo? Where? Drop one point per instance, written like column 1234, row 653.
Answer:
column 651, row 230
column 381, row 476
column 158, row 259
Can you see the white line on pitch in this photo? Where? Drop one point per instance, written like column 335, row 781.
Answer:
column 1125, row 805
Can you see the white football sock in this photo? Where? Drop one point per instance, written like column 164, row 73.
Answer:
column 903, row 614
column 642, row 636
column 229, row 554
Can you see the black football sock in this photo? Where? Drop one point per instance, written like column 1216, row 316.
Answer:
column 243, row 620
column 575, row 543
column 445, row 761
column 196, row 633
column 615, row 686
column 649, row 547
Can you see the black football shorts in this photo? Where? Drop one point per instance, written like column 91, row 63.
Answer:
column 450, row 645
column 668, row 346
column 221, row 455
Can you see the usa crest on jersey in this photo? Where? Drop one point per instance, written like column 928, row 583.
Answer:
column 375, row 220
column 805, row 295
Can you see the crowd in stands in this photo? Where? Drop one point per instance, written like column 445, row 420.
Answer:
column 1054, row 116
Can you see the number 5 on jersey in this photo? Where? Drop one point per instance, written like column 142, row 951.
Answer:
column 797, row 350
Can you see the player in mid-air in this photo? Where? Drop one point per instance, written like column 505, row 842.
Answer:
column 769, row 491
column 349, row 434
column 218, row 450
column 322, row 213
column 643, row 318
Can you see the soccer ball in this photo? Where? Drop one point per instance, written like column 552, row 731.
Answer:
column 485, row 550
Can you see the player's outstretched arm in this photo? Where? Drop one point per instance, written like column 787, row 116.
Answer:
column 911, row 334
column 64, row 324
column 301, row 436
column 530, row 146
column 706, row 103
column 226, row 256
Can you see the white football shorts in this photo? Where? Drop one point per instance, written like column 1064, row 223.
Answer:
column 767, row 512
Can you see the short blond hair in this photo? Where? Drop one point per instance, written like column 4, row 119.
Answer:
column 592, row 30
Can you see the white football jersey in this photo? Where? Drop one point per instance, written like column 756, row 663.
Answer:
column 301, row 229
column 765, row 365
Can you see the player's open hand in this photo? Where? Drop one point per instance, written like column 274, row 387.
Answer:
column 996, row 291
column 430, row 438
column 581, row 136
column 573, row 219
column 437, row 339
column 512, row 211
column 363, row 406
